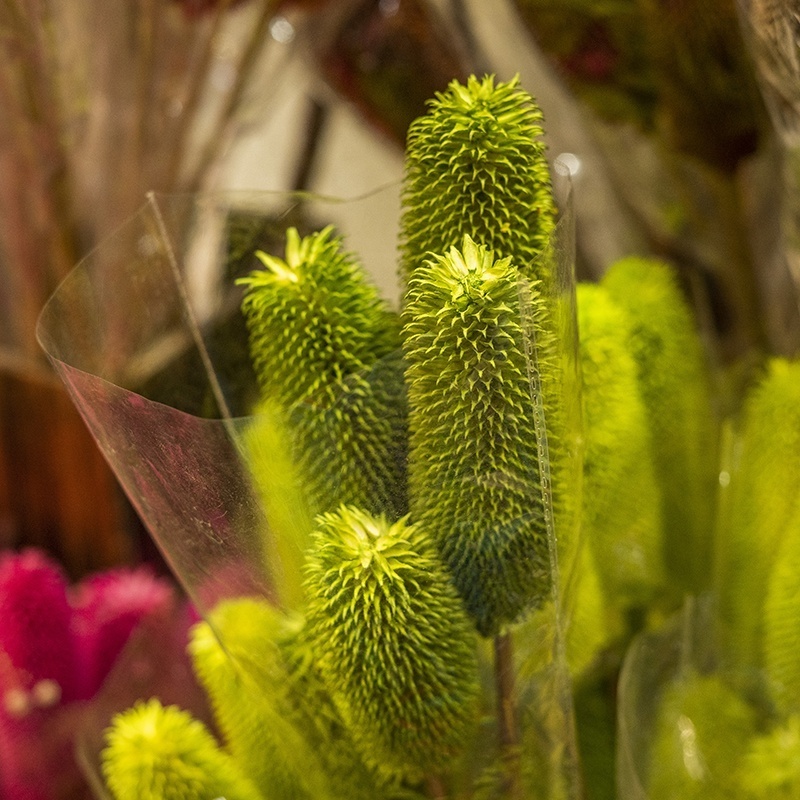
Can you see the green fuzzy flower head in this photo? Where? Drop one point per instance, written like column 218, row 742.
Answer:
column 324, row 347
column 475, row 165
column 393, row 641
column 621, row 500
column 162, row 753
column 474, row 470
column 770, row 770
column 675, row 386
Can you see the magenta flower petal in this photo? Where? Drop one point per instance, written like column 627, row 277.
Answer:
column 108, row 608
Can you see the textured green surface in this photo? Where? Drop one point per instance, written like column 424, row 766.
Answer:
column 675, row 386
column 162, row 753
column 276, row 718
column 393, row 641
column 621, row 499
column 759, row 547
column 475, row 165
column 770, row 770
column 474, row 471
column 324, row 348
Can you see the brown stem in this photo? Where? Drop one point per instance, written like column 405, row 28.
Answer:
column 508, row 732
column 318, row 115
column 435, row 788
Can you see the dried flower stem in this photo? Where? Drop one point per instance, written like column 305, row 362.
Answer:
column 508, row 732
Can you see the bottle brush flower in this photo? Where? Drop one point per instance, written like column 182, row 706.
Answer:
column 474, row 470
column 324, row 348
column 392, row 641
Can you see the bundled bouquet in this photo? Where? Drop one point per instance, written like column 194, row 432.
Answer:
column 423, row 551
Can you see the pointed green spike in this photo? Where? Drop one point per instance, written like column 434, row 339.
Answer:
column 474, row 469
column 621, row 500
column 475, row 165
column 393, row 641
column 162, row 753
column 324, row 348
column 676, row 388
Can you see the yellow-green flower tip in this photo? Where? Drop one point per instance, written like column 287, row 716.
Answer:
column 162, row 753
column 393, row 641
column 475, row 164
column 474, row 470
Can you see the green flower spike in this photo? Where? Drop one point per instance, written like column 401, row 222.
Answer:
column 162, row 753
column 676, row 388
column 474, row 472
column 761, row 546
column 325, row 348
column 475, row 165
column 393, row 641
column 621, row 501
column 262, row 689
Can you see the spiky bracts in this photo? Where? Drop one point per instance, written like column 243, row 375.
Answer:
column 621, row 499
column 676, row 388
column 322, row 344
column 475, row 165
column 474, row 470
column 276, row 718
column 770, row 770
column 393, row 641
column 162, row 753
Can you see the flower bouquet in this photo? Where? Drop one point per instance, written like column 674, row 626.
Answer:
column 421, row 532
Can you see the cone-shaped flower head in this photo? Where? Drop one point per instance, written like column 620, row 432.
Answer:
column 393, row 641
column 322, row 344
column 277, row 722
column 676, row 389
column 162, row 753
column 474, row 469
column 475, row 165
column 621, row 500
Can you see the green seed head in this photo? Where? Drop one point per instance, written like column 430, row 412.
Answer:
column 474, row 468
column 393, row 641
column 324, row 347
column 158, row 753
column 475, row 165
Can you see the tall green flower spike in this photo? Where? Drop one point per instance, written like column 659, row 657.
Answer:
column 475, row 165
column 474, row 471
column 162, row 753
column 761, row 541
column 278, row 722
column 393, row 641
column 675, row 386
column 621, row 501
column 325, row 348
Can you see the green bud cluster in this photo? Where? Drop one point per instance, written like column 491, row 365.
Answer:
column 392, row 641
column 322, row 343
column 474, row 472
column 162, row 753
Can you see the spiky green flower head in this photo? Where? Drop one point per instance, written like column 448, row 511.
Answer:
column 155, row 752
column 621, row 500
column 770, row 770
column 474, row 470
column 393, row 641
column 762, row 520
column 675, row 385
column 475, row 165
column 701, row 735
column 277, row 720
column 324, row 346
